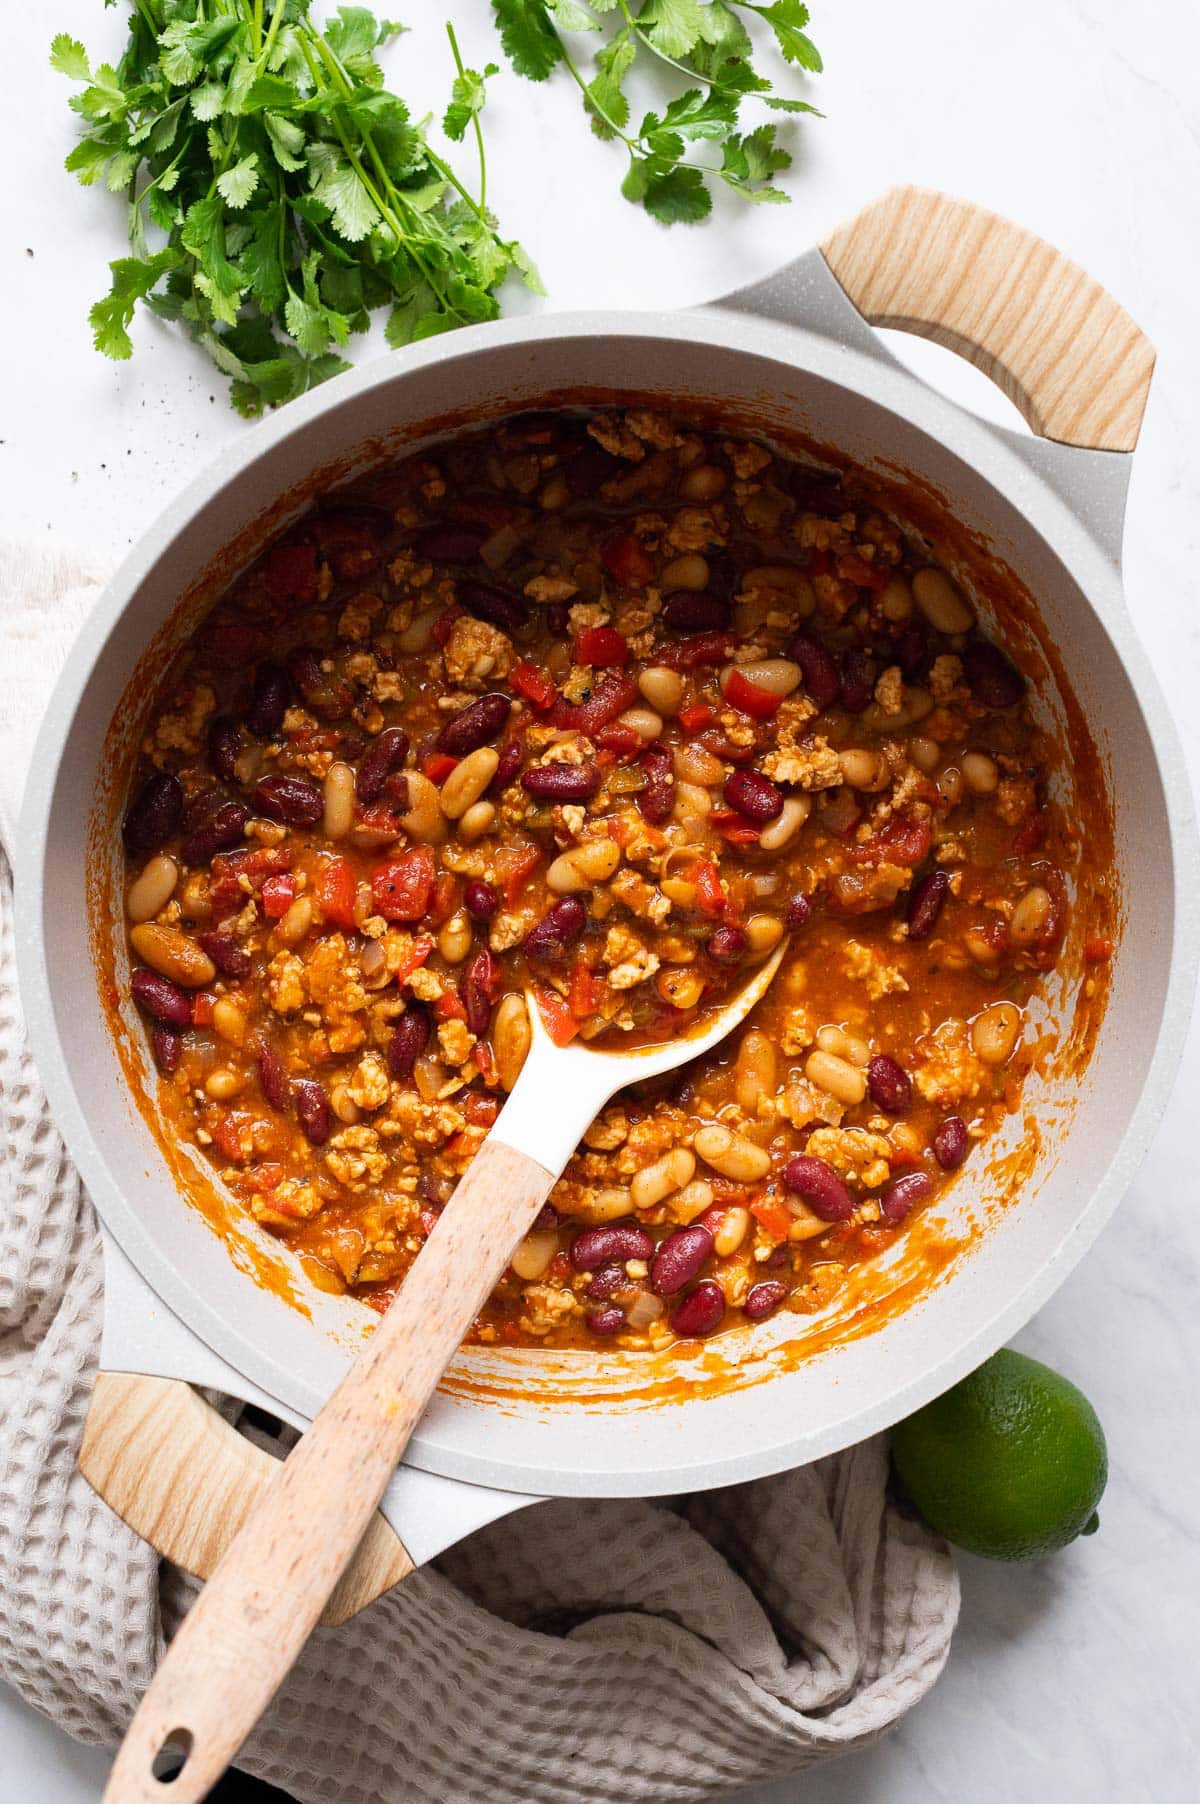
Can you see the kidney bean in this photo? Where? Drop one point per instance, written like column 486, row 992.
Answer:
column 162, row 1000
column 322, row 691
column 821, row 679
column 168, row 1047
column 992, row 678
column 557, row 931
column 155, row 815
column 950, row 1142
column 480, row 899
column 776, row 1257
column 409, row 1039
column 476, row 725
column 562, row 782
column 799, row 910
column 221, row 831
column 312, row 1110
column 679, row 1259
column 201, row 807
column 889, row 1084
column 858, row 681
column 925, row 904
column 499, row 607
column 480, row 981
column 763, row 1300
column 386, row 751
column 903, row 1194
column 700, row 1312
column 293, row 800
column 227, row 954
column 604, row 1281
column 754, row 796
column 512, row 756
column 224, row 747
column 725, row 945
column 273, row 1080
column 911, row 647
column 695, row 611
column 606, row 1321
column 656, row 798
column 820, row 1186
column 269, row 702
column 612, row 1244
column 591, row 466
column 448, row 544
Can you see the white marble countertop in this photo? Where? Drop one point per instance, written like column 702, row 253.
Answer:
column 1072, row 1680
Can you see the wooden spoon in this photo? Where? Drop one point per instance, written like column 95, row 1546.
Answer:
column 248, row 1625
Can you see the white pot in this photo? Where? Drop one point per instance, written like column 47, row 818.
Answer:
column 792, row 355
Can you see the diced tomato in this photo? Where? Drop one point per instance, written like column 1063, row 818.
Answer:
column 695, row 716
column 263, row 1177
column 291, row 573
column 443, row 626
column 483, row 1058
column 627, row 562
column 697, row 650
column 601, row 645
column 335, row 889
column 228, row 868
column 1029, row 835
column 403, row 886
column 709, row 894
column 445, row 898
column 535, row 684
column 611, row 696
column 560, row 1267
column 734, row 830
column 278, row 894
column 856, row 569
column 449, row 1005
column 227, row 1134
column 515, row 865
column 437, row 766
column 902, row 841
column 202, row 1009
column 421, row 948
column 775, row 1216
column 561, row 1024
column 481, row 1111
column 585, row 992
column 1097, row 950
column 619, row 739
column 748, row 698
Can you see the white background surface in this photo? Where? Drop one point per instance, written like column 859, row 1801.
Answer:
column 1070, row 1681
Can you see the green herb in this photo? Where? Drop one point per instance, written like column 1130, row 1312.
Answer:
column 278, row 193
column 703, row 40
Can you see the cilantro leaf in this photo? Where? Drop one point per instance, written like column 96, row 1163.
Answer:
column 467, row 96
column 673, row 26
column 530, row 41
column 236, row 185
column 678, row 195
column 132, row 280
column 69, row 57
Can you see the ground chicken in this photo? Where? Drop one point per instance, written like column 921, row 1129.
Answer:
column 640, row 898
column 945, row 679
column 866, row 964
column 694, row 528
column 477, row 654
column 617, row 439
column 456, row 1042
column 547, row 589
column 802, row 1103
column 586, row 614
column 356, row 1158
column 355, row 620
column 184, row 731
column 629, row 961
column 609, row 1130
column 286, row 990
column 889, row 690
column 653, row 427
column 425, row 985
column 510, row 927
column 547, row 1307
column 814, row 766
column 853, row 1152
column 949, row 1072
column 747, row 460
column 292, row 1200
column 387, row 686
column 369, row 1085
column 333, row 978
column 1015, row 798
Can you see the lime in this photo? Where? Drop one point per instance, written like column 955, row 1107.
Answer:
column 1009, row 1464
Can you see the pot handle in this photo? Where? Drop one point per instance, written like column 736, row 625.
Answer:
column 184, row 1479
column 1057, row 343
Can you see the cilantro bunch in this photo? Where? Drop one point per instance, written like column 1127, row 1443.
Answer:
column 704, row 40
column 278, row 193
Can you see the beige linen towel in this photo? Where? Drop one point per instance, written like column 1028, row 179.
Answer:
column 575, row 1651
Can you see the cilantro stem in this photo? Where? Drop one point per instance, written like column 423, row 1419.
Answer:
column 631, row 144
column 458, row 64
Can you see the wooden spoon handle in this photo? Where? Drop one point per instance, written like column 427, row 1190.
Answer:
column 250, row 1622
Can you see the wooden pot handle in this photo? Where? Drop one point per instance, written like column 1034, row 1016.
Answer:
column 239, row 1640
column 184, row 1479
column 1054, row 340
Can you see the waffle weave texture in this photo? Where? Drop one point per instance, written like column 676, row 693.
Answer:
column 579, row 1651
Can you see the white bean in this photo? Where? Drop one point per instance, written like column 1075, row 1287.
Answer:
column 941, row 601
column 467, row 781
column 152, row 888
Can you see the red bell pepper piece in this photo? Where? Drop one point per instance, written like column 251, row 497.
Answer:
column 278, row 894
column 336, row 888
column 535, row 684
column 695, row 717
column 775, row 1216
column 561, row 1024
column 601, row 645
column 437, row 766
column 749, row 699
column 627, row 562
column 709, row 894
